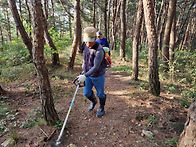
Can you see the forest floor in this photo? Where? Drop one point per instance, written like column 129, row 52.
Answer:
column 133, row 117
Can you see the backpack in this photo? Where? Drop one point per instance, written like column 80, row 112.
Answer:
column 107, row 56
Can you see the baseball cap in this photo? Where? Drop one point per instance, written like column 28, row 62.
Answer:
column 99, row 33
column 89, row 34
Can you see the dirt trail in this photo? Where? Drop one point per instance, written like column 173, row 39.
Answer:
column 127, row 113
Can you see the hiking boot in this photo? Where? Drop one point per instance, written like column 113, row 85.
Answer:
column 100, row 111
column 93, row 100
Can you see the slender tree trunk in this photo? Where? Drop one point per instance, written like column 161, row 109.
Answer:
column 165, row 49
column 8, row 26
column 108, row 19
column 70, row 27
column 136, row 40
column 172, row 40
column 66, row 9
column 48, row 109
column 1, row 34
column 123, row 30
column 19, row 25
column 29, row 17
column 53, row 18
column 187, row 137
column 105, row 18
column 154, row 84
column 114, row 9
column 94, row 13
column 77, row 36
column 184, row 22
column 55, row 55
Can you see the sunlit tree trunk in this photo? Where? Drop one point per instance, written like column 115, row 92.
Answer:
column 166, row 39
column 154, row 84
column 172, row 40
column 136, row 40
column 123, row 30
column 77, row 36
column 48, row 109
column 187, row 137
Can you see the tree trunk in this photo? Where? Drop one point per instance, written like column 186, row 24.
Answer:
column 55, row 55
column 166, row 39
column 105, row 18
column 160, row 27
column 187, row 137
column 108, row 19
column 53, row 18
column 70, row 27
column 154, row 84
column 94, row 13
column 136, row 40
column 123, row 30
column 1, row 34
column 77, row 36
column 172, row 41
column 48, row 109
column 8, row 26
column 114, row 9
column 29, row 17
column 19, row 25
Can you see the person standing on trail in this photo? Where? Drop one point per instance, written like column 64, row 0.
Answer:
column 102, row 40
column 94, row 70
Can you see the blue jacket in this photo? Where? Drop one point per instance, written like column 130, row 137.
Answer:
column 103, row 42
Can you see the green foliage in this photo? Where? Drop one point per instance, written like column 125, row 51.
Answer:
column 170, row 88
column 13, row 53
column 34, row 118
column 122, row 68
column 143, row 53
column 151, row 120
column 59, row 124
column 143, row 85
column 14, row 135
column 171, row 142
column 128, row 48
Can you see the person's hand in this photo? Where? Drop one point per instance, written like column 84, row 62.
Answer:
column 81, row 78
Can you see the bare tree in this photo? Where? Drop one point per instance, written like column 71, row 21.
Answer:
column 77, row 35
column 154, row 84
column 136, row 38
column 48, row 109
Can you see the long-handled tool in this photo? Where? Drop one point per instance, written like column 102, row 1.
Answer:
column 64, row 124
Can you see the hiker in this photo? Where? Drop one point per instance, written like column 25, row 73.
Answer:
column 94, row 70
column 102, row 40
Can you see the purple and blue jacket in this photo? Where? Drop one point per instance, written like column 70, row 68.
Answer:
column 94, row 62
